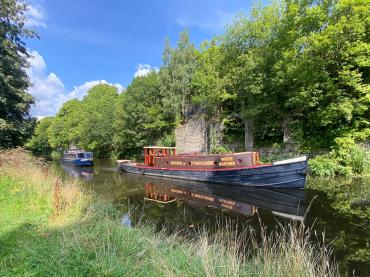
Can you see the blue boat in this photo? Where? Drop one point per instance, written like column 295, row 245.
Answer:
column 243, row 169
column 78, row 157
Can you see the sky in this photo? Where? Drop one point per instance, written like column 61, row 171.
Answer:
column 83, row 43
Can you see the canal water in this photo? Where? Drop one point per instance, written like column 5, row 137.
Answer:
column 174, row 204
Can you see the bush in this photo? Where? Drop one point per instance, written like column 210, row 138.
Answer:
column 220, row 150
column 360, row 160
column 167, row 140
column 323, row 166
column 347, row 159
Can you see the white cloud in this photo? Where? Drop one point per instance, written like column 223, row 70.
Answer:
column 49, row 90
column 80, row 91
column 38, row 118
column 144, row 69
column 35, row 16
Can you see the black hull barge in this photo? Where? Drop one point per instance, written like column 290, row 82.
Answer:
column 241, row 169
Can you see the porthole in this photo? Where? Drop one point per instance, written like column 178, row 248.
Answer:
column 215, row 162
column 189, row 163
column 239, row 161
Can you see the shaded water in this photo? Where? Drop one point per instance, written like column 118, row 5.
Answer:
column 175, row 204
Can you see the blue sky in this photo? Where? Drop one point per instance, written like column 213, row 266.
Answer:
column 88, row 42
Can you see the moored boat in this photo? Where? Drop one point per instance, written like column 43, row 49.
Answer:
column 78, row 157
column 242, row 169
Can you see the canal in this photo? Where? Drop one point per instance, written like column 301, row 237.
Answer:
column 188, row 206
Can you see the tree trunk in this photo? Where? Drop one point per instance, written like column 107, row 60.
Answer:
column 248, row 135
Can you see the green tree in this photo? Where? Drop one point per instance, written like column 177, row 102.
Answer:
column 15, row 123
column 140, row 116
column 329, row 72
column 96, row 126
column 39, row 143
column 208, row 83
column 176, row 76
column 65, row 129
column 305, row 65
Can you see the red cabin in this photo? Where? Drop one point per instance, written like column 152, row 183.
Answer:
column 166, row 157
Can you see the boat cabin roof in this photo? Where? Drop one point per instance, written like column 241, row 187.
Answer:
column 158, row 147
column 75, row 151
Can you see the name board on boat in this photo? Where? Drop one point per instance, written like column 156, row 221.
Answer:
column 203, row 163
column 226, row 163
column 227, row 159
column 176, row 163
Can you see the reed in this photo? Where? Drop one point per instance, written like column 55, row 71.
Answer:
column 65, row 198
column 72, row 233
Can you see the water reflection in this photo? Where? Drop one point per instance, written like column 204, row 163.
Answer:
column 83, row 172
column 241, row 200
column 126, row 220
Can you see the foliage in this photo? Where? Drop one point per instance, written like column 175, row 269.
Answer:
column 347, row 159
column 87, row 123
column 16, row 126
column 39, row 143
column 176, row 76
column 302, row 64
column 65, row 130
column 140, row 117
column 219, row 150
column 167, row 140
column 207, row 83
column 98, row 113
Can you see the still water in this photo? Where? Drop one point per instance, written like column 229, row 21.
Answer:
column 175, row 204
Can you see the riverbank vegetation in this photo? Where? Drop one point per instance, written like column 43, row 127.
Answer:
column 51, row 226
column 347, row 159
column 294, row 67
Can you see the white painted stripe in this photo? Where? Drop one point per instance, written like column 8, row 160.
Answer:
column 295, row 160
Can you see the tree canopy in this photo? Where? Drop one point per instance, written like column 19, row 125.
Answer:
column 15, row 123
column 304, row 64
column 40, row 142
column 141, row 118
column 296, row 65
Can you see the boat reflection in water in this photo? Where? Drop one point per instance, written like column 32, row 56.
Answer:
column 287, row 203
column 86, row 173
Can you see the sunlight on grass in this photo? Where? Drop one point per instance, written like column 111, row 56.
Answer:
column 53, row 227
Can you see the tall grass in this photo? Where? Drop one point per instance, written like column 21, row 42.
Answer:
column 83, row 237
column 65, row 198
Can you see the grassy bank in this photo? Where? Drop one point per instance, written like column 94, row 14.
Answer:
column 50, row 227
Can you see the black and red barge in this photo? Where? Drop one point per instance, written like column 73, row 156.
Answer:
column 242, row 169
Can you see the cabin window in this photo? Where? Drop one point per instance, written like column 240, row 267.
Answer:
column 88, row 155
column 80, row 155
